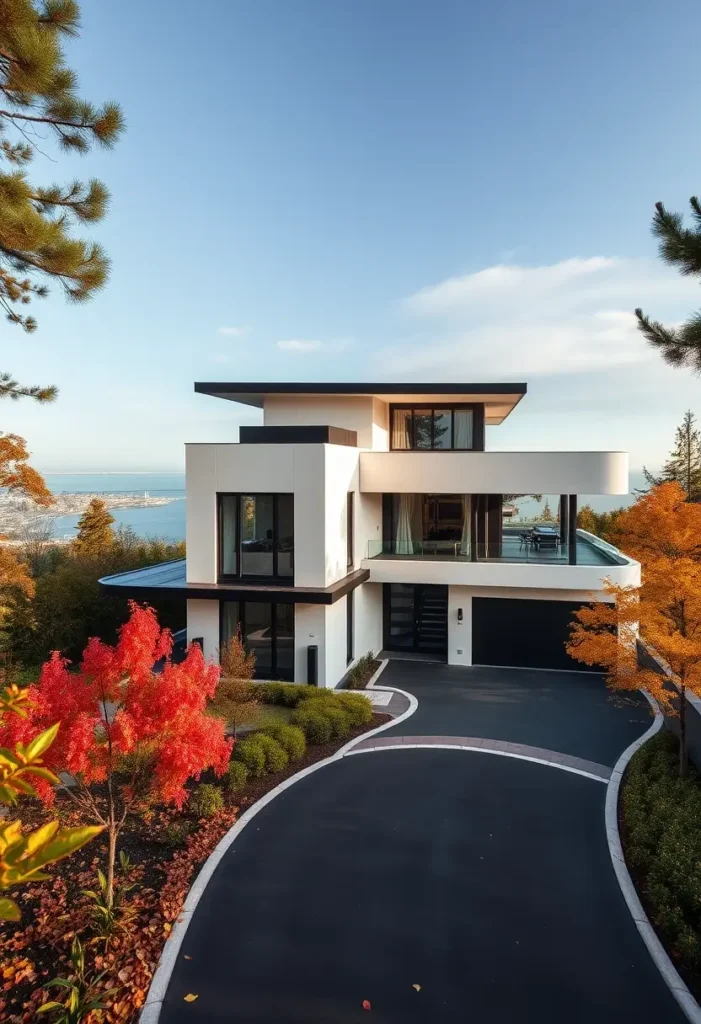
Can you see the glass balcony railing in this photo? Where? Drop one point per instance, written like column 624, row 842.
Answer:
column 544, row 548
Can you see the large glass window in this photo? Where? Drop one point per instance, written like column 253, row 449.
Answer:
column 437, row 428
column 268, row 631
column 228, row 535
column 256, row 535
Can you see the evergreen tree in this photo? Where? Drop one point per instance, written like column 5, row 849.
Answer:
column 547, row 516
column 679, row 247
column 94, row 530
column 39, row 94
column 684, row 462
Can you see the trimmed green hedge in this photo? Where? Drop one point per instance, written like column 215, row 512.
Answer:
column 251, row 754
column 662, row 831
column 236, row 776
column 291, row 738
column 317, row 726
column 276, row 759
column 363, row 670
column 205, row 800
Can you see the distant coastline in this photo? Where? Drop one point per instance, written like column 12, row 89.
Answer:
column 18, row 514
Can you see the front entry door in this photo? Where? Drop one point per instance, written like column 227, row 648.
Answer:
column 416, row 619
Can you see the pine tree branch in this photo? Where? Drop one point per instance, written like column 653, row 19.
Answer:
column 679, row 246
column 9, row 388
column 80, row 125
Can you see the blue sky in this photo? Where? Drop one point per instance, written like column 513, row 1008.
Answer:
column 374, row 189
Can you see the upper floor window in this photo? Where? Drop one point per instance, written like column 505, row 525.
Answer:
column 256, row 535
column 439, row 427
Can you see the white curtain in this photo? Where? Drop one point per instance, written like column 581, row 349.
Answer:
column 463, row 428
column 405, row 539
column 466, row 516
column 401, row 427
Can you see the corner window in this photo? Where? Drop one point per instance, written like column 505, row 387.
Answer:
column 268, row 631
column 432, row 429
column 256, row 535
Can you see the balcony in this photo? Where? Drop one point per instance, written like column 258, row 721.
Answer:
column 516, row 564
column 445, row 472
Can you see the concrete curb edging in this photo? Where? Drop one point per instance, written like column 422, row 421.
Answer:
column 479, row 750
column 679, row 990
column 151, row 1010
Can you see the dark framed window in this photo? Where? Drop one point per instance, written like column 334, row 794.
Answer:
column 436, row 427
column 349, row 626
column 268, row 630
column 256, row 536
column 349, row 530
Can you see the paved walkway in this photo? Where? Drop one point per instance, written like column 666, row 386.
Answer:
column 485, row 880
column 569, row 712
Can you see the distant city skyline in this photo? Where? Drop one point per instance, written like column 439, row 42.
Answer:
column 396, row 191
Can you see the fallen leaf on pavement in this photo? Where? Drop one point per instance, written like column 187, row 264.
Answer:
column 417, row 987
column 366, row 1004
column 190, row 997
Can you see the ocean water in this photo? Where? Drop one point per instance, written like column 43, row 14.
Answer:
column 166, row 521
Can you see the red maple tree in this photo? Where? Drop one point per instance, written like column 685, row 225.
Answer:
column 141, row 733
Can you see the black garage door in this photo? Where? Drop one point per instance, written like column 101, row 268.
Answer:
column 526, row 634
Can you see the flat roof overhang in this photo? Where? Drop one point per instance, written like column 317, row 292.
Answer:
column 168, row 579
column 499, row 398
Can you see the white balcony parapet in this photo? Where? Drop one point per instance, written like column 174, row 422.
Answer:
column 449, row 472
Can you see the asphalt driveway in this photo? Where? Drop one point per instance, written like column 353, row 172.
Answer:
column 485, row 881
column 569, row 712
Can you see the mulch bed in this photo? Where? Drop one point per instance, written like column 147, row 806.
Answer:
column 33, row 953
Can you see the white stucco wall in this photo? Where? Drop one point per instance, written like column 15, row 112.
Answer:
column 203, row 620
column 494, row 472
column 340, row 478
column 460, row 633
column 500, row 574
column 352, row 412
column 335, row 647
column 310, row 628
column 309, row 486
column 368, row 619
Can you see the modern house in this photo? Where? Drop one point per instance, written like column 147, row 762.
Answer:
column 369, row 517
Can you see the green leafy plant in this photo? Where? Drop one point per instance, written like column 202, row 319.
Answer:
column 340, row 720
column 24, row 855
column 175, row 834
column 235, row 776
column 276, row 758
column 110, row 917
column 661, row 812
column 205, row 800
column 291, row 738
column 357, row 707
column 361, row 671
column 250, row 753
column 83, row 994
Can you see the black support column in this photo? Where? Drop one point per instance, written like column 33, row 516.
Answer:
column 474, row 513
column 564, row 518
column 572, row 532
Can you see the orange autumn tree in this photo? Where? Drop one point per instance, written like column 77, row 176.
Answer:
column 663, row 532
column 18, row 477
column 141, row 733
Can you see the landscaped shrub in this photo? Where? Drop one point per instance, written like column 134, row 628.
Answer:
column 276, row 758
column 175, row 833
column 361, row 671
column 205, row 800
column 661, row 816
column 316, row 725
column 235, row 776
column 341, row 724
column 251, row 753
column 286, row 694
column 357, row 706
column 291, row 738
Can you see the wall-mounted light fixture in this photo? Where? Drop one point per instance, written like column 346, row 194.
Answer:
column 459, row 614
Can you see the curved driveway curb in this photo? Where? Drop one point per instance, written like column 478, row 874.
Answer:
column 679, row 990
column 151, row 1009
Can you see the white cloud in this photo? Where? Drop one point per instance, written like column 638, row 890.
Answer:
column 233, row 332
column 333, row 347
column 516, row 322
column 295, row 345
